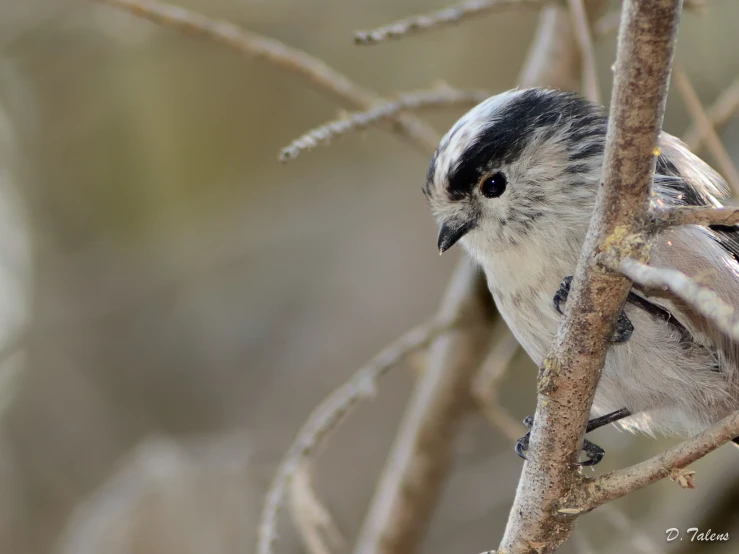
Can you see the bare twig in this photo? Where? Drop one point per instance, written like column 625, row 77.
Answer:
column 587, row 54
column 332, row 411
column 570, row 372
column 439, row 18
column 715, row 146
column 313, row 70
column 412, row 101
column 621, row 482
column 413, row 475
column 493, row 369
column 702, row 299
column 723, row 109
column 419, row 460
column 317, row 527
column 689, row 215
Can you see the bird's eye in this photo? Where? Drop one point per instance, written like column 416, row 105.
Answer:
column 494, row 185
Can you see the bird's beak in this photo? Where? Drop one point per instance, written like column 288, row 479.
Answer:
column 450, row 232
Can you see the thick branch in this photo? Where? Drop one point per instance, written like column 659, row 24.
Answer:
column 570, row 372
column 689, row 215
column 619, row 483
column 313, row 70
column 412, row 101
column 700, row 298
column 446, row 16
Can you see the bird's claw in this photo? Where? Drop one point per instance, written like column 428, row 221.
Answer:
column 624, row 327
column 593, row 452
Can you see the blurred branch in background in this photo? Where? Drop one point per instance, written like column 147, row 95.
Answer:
column 715, row 147
column 445, row 16
column 314, row 70
column 410, row 101
column 723, row 109
column 334, row 409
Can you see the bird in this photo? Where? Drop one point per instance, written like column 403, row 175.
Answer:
column 514, row 182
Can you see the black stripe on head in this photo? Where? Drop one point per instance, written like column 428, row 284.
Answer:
column 513, row 126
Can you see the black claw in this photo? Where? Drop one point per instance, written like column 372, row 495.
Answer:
column 522, row 445
column 594, row 452
column 561, row 295
column 624, row 329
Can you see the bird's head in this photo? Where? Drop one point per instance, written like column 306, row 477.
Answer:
column 516, row 164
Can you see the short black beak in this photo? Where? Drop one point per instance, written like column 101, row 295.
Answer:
column 449, row 234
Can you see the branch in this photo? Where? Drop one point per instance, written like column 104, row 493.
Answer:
column 313, row 70
column 587, row 55
column 689, row 215
column 701, row 119
column 445, row 16
column 317, row 528
column 412, row 101
column 700, row 298
column 413, row 475
column 332, row 411
column 485, row 384
column 570, row 372
column 723, row 109
column 667, row 464
column 419, row 460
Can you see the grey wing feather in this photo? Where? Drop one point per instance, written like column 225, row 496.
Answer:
column 709, row 254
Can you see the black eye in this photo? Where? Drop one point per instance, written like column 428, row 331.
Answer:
column 493, row 186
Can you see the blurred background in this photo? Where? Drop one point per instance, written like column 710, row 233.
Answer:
column 176, row 301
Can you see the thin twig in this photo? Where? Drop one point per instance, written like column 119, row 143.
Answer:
column 313, row 70
column 570, row 372
column 445, row 16
column 412, row 101
column 723, row 109
column 317, row 528
column 702, row 299
column 332, row 411
column 667, row 464
column 690, row 215
column 713, row 141
column 587, row 53
column 485, row 385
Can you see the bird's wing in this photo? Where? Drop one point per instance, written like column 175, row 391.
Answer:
column 707, row 254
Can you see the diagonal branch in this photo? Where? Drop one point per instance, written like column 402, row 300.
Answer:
column 570, row 372
column 702, row 299
column 689, row 215
column 723, row 109
column 619, row 483
column 713, row 141
column 412, row 101
column 314, row 71
column 333, row 410
column 445, row 16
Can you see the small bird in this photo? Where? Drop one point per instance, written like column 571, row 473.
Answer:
column 514, row 182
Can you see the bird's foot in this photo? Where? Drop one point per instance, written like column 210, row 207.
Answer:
column 593, row 452
column 624, row 327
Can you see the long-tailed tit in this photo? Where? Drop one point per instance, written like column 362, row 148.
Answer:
column 514, row 181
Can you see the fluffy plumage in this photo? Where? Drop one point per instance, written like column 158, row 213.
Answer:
column 675, row 377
